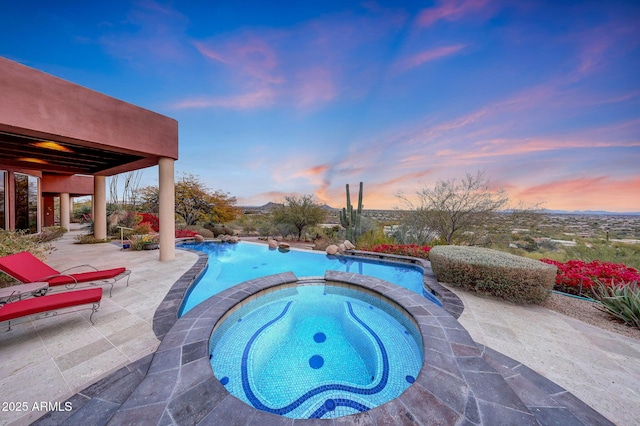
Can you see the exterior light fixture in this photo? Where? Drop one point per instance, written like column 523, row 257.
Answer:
column 32, row 160
column 55, row 146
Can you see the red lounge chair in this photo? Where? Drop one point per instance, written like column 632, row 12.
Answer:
column 36, row 305
column 27, row 268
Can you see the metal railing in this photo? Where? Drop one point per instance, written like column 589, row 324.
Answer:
column 122, row 228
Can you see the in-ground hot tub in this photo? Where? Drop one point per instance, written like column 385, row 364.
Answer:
column 316, row 351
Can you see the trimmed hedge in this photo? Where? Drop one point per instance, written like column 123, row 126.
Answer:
column 513, row 278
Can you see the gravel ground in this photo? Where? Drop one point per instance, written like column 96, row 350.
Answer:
column 586, row 311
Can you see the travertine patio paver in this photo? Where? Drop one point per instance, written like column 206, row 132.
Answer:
column 50, row 359
column 599, row 367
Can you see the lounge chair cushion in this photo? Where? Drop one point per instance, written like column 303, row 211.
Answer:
column 26, row 267
column 85, row 276
column 51, row 302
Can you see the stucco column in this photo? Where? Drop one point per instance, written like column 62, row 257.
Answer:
column 65, row 213
column 99, row 207
column 167, row 209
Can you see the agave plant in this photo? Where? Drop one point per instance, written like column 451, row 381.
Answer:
column 620, row 301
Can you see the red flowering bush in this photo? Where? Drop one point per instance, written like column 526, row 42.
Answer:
column 151, row 219
column 185, row 233
column 412, row 250
column 579, row 277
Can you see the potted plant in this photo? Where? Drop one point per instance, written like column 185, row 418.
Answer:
column 144, row 242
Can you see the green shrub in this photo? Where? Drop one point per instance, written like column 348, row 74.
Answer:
column 373, row 237
column 49, row 234
column 89, row 239
column 620, row 301
column 80, row 212
column 513, row 278
column 142, row 229
column 629, row 254
column 201, row 230
column 138, row 242
column 12, row 242
column 217, row 229
column 321, row 244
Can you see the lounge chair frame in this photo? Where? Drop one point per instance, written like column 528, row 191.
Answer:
column 94, row 309
column 44, row 311
column 65, row 273
column 104, row 281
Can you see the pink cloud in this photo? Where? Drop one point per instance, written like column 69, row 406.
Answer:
column 513, row 146
column 450, row 10
column 307, row 65
column 602, row 45
column 315, row 86
column 209, row 52
column 313, row 172
column 248, row 55
column 258, row 99
column 586, row 193
column 407, row 177
column 427, row 56
column 159, row 35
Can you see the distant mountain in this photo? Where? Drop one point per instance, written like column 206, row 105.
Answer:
column 591, row 212
column 328, row 207
column 269, row 206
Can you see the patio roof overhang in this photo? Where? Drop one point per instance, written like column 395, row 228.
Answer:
column 47, row 155
column 55, row 126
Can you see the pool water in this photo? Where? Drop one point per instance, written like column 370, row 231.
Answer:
column 232, row 264
column 316, row 351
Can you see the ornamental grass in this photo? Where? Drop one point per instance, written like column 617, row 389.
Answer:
column 513, row 278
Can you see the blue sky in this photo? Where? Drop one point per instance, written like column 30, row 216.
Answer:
column 279, row 98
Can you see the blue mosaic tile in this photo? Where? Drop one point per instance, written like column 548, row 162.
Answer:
column 316, row 362
column 330, row 404
column 277, row 386
column 319, row 337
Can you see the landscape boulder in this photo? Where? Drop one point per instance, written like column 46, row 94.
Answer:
column 332, row 249
column 348, row 245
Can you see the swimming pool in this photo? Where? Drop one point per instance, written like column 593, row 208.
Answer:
column 316, row 351
column 231, row 264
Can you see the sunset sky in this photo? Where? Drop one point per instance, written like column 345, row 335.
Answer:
column 302, row 97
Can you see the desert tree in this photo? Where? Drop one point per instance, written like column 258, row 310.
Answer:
column 194, row 201
column 299, row 212
column 149, row 197
column 455, row 209
column 124, row 189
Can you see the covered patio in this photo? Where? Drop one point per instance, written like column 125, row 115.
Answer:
column 63, row 140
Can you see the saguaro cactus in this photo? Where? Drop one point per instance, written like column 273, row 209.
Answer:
column 350, row 218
